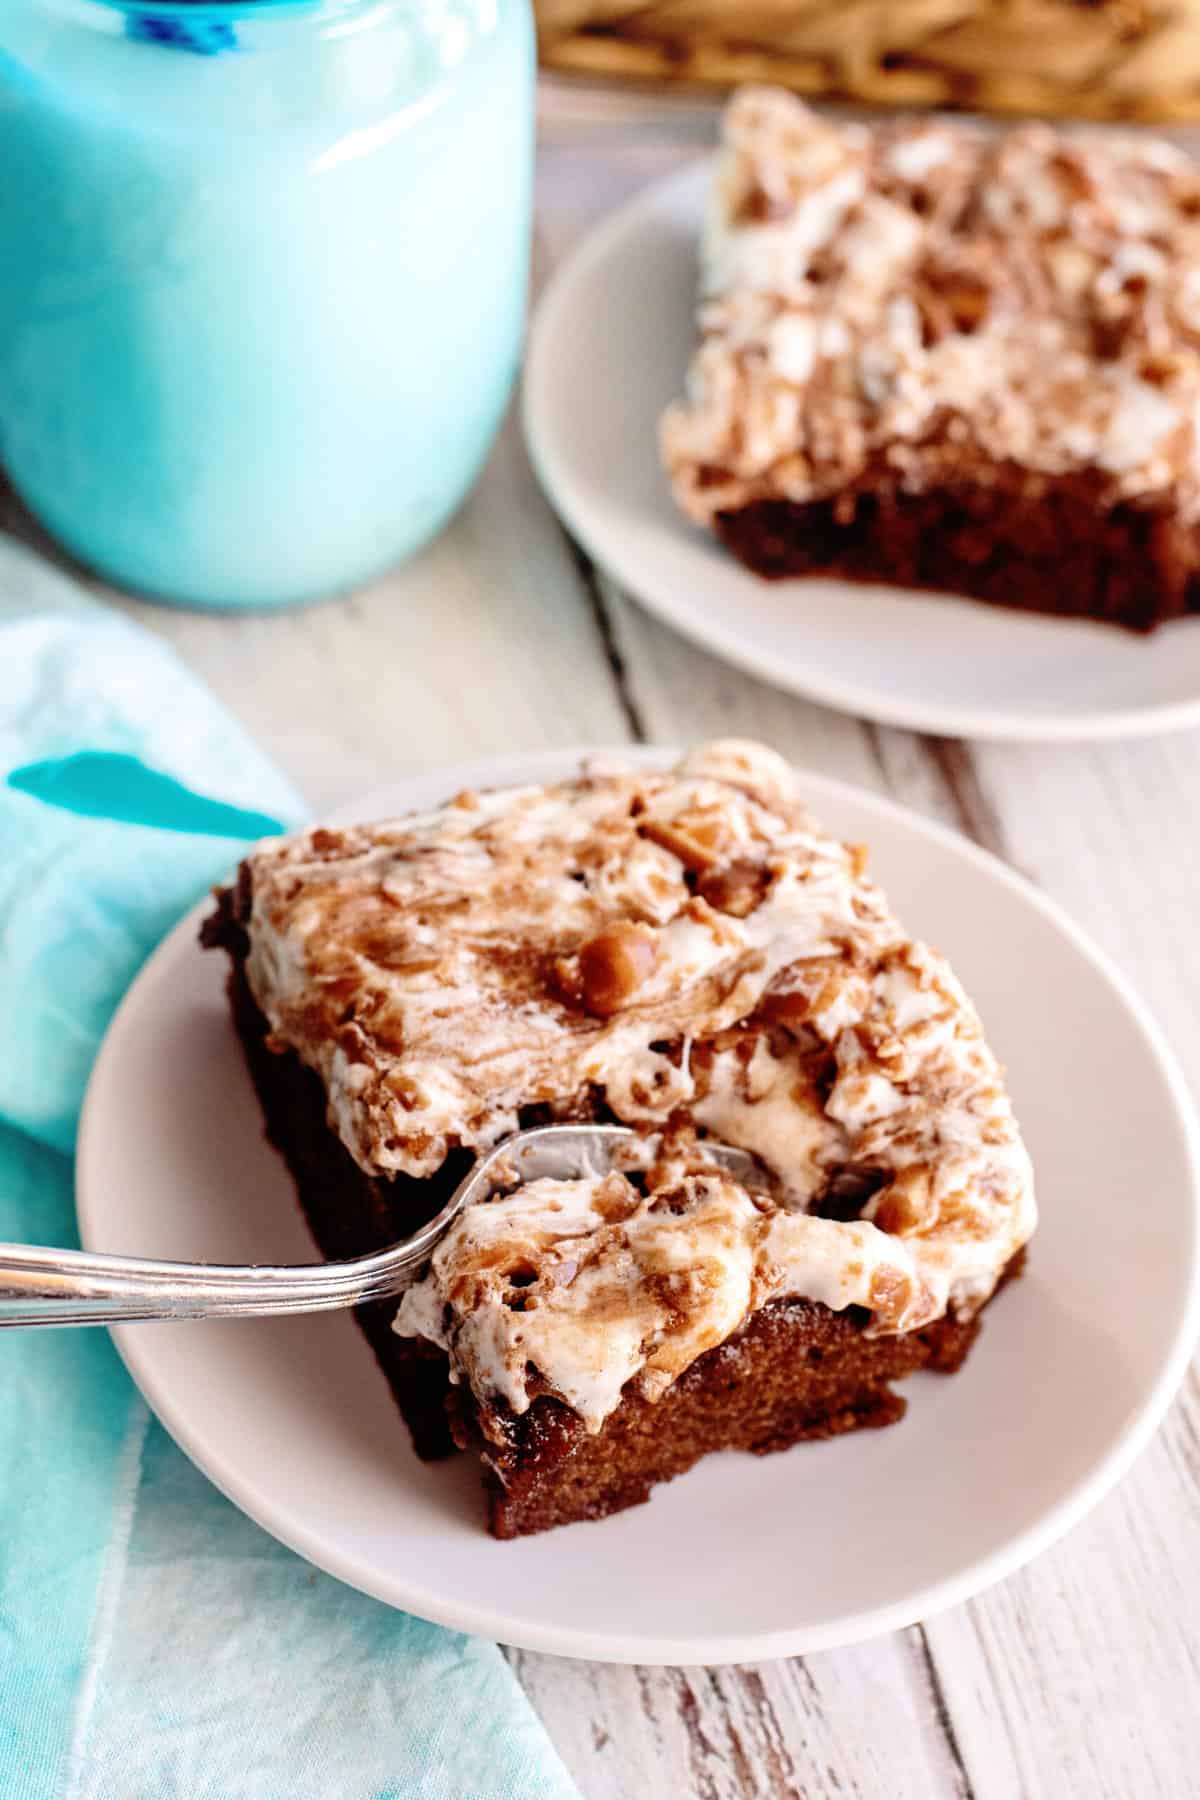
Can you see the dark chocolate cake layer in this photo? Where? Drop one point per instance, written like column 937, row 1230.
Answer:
column 1058, row 553
column 795, row 1371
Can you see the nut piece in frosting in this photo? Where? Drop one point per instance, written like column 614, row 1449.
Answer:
column 736, row 888
column 614, row 964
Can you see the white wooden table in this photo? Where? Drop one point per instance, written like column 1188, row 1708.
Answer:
column 1079, row 1677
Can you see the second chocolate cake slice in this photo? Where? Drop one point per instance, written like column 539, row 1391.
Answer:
column 938, row 358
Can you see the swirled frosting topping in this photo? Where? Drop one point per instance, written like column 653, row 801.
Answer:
column 918, row 300
column 680, row 948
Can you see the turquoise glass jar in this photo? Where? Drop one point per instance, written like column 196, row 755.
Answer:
column 264, row 272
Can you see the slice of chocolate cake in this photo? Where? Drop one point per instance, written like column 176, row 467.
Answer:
column 686, row 952
column 943, row 358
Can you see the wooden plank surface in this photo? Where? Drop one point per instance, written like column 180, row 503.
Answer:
column 1081, row 1675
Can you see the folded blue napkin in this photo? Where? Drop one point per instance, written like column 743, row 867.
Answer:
column 154, row 1643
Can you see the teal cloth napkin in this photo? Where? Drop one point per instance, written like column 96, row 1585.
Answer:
column 154, row 1643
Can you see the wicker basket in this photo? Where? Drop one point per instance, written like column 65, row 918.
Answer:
column 1099, row 59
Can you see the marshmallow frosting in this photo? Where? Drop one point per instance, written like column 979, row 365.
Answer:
column 686, row 950
column 613, row 1283
column 917, row 300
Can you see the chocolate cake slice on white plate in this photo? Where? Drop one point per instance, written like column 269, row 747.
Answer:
column 936, row 357
column 684, row 951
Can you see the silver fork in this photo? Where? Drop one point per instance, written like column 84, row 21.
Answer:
column 76, row 1287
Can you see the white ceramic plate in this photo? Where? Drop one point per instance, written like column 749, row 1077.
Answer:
column 745, row 1557
column 608, row 350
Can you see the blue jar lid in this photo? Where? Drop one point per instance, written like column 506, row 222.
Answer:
column 205, row 27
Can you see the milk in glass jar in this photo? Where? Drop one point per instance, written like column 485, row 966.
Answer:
column 264, row 271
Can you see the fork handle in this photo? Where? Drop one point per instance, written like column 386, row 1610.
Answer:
column 78, row 1287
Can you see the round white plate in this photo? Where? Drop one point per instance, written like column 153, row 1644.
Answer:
column 609, row 346
column 745, row 1557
